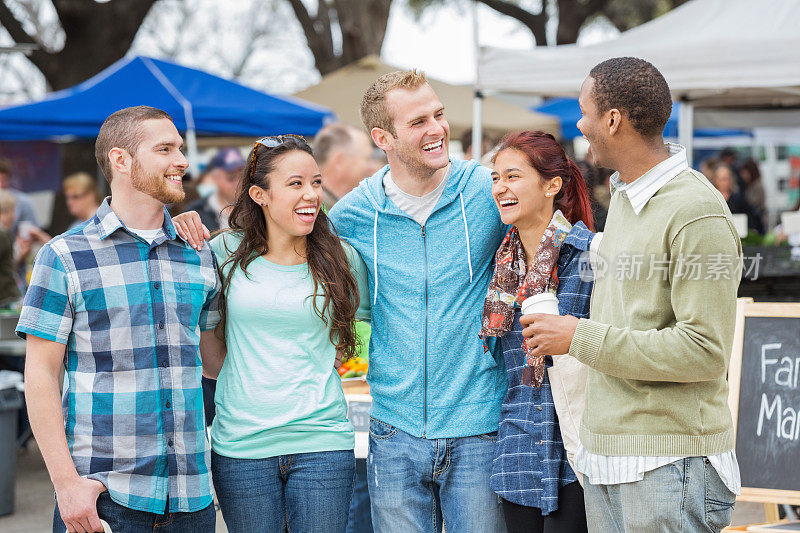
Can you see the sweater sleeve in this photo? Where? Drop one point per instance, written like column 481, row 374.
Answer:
column 703, row 302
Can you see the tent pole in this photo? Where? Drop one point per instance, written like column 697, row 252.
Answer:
column 477, row 102
column 686, row 129
column 191, row 149
column 477, row 126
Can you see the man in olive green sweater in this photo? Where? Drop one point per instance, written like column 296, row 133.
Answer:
column 656, row 436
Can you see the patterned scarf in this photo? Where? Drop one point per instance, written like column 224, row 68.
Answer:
column 513, row 282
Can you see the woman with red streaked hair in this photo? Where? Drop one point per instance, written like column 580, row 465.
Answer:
column 541, row 194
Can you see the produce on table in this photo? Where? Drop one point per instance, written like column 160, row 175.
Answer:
column 353, row 368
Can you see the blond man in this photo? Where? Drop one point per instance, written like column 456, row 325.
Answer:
column 427, row 229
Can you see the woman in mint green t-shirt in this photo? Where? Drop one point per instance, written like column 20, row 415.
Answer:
column 282, row 446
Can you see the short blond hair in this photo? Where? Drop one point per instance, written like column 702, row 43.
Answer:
column 82, row 182
column 373, row 104
column 8, row 202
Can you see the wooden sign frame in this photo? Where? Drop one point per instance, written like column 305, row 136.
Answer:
column 745, row 307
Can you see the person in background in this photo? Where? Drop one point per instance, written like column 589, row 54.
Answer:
column 657, row 442
column 730, row 157
column 542, row 195
column 24, row 208
column 724, row 181
column 707, row 167
column 753, row 187
column 223, row 172
column 466, row 146
column 81, row 195
column 599, row 211
column 9, row 291
column 344, row 155
column 119, row 303
column 22, row 243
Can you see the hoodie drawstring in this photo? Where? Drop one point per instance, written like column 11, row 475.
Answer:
column 466, row 231
column 375, row 256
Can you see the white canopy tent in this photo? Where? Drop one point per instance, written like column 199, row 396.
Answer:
column 714, row 54
column 731, row 63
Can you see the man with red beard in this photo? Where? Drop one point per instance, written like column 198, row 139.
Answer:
column 120, row 301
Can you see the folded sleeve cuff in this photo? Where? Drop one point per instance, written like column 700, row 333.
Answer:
column 585, row 346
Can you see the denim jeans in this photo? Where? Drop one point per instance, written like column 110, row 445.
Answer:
column 124, row 520
column 360, row 516
column 687, row 495
column 306, row 491
column 416, row 483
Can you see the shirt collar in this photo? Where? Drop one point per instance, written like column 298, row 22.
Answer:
column 645, row 187
column 108, row 222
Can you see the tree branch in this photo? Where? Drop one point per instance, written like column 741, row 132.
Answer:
column 534, row 22
column 303, row 17
column 14, row 26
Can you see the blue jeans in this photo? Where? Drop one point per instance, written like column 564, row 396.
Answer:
column 304, row 491
column 687, row 495
column 360, row 516
column 124, row 520
column 416, row 483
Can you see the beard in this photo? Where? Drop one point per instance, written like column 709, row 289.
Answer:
column 155, row 185
column 414, row 162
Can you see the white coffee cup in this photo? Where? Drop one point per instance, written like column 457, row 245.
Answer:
column 545, row 302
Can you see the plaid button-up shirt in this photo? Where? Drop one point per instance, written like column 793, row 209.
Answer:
column 530, row 463
column 130, row 313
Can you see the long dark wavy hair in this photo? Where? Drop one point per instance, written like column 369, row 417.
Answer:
column 327, row 261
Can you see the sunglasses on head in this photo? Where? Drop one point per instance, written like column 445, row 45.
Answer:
column 277, row 140
column 272, row 142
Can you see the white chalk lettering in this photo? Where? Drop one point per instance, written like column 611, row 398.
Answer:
column 786, row 376
column 775, row 407
column 787, row 430
column 765, row 361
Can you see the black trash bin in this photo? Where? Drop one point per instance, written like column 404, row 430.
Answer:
column 10, row 404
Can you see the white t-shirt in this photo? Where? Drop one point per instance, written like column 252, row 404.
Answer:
column 417, row 207
column 147, row 234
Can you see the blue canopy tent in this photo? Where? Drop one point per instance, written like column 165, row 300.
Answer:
column 569, row 112
column 198, row 102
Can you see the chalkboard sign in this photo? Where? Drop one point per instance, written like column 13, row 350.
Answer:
column 764, row 378
column 358, row 413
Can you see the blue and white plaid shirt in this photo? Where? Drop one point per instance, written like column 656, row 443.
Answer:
column 130, row 314
column 530, row 462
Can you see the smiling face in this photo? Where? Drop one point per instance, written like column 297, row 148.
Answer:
column 591, row 125
column 158, row 165
column 521, row 195
column 421, row 136
column 294, row 195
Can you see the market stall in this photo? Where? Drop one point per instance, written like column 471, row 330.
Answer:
column 198, row 102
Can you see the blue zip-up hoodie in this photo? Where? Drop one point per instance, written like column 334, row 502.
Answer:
column 428, row 373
